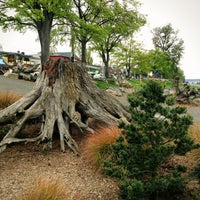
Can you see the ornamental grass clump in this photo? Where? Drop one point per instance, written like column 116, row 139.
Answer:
column 140, row 157
column 7, row 98
column 47, row 189
column 97, row 146
column 194, row 132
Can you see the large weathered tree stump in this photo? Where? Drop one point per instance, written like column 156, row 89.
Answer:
column 63, row 94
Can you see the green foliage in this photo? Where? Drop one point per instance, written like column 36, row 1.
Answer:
column 105, row 84
column 166, row 39
column 196, row 172
column 170, row 100
column 128, row 21
column 40, row 16
column 132, row 189
column 156, row 133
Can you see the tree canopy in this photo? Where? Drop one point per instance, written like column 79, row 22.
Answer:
column 166, row 39
column 37, row 15
column 126, row 21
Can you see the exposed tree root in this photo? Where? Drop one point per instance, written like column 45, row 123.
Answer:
column 63, row 94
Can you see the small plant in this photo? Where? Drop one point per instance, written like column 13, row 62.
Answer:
column 156, row 133
column 7, row 98
column 46, row 189
column 97, row 145
column 194, row 131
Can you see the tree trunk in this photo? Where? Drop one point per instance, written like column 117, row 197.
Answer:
column 44, row 32
column 105, row 58
column 83, row 50
column 63, row 94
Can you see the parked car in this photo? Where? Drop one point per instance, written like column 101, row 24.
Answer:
column 34, row 75
column 98, row 76
column 25, row 76
column 28, row 76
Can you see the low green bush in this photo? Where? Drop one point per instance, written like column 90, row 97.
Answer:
column 156, row 133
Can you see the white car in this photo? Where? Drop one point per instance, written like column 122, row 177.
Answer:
column 34, row 75
column 96, row 76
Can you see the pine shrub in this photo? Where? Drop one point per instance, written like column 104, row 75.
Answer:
column 156, row 133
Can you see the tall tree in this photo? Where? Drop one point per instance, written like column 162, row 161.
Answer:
column 166, row 39
column 126, row 21
column 37, row 15
column 127, row 55
column 64, row 94
column 88, row 16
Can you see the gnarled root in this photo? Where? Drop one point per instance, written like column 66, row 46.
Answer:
column 64, row 94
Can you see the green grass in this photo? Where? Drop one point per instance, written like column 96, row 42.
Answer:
column 104, row 84
column 137, row 84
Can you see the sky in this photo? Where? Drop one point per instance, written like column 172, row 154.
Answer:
column 184, row 15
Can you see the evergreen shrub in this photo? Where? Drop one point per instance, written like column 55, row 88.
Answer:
column 156, row 133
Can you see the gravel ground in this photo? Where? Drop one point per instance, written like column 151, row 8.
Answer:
column 22, row 165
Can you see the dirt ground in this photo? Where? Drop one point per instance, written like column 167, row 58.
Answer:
column 22, row 165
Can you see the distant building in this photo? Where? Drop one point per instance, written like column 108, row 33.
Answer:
column 92, row 69
column 65, row 56
column 13, row 58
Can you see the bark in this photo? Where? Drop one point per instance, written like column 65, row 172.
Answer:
column 44, row 32
column 64, row 94
column 186, row 95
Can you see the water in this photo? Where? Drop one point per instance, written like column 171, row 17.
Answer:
column 193, row 81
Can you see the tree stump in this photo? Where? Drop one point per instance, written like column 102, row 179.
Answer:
column 63, row 94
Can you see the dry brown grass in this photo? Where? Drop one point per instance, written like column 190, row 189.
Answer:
column 194, row 132
column 96, row 146
column 48, row 189
column 7, row 98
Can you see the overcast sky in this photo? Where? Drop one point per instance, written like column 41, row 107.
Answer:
column 184, row 15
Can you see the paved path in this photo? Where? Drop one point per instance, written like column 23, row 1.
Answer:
column 23, row 87
column 15, row 85
column 193, row 111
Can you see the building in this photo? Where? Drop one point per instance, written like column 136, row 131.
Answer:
column 92, row 69
column 65, row 56
column 13, row 58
